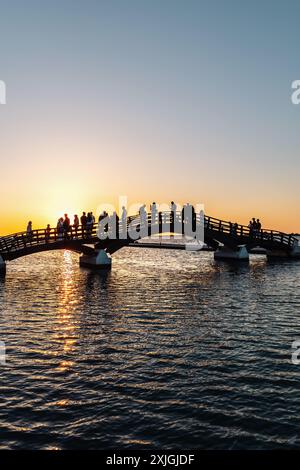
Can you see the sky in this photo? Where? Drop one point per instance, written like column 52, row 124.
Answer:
column 154, row 100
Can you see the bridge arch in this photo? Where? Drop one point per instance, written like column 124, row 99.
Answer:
column 217, row 234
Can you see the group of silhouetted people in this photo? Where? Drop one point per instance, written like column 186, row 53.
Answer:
column 254, row 226
column 233, row 228
column 85, row 225
column 87, row 221
column 65, row 229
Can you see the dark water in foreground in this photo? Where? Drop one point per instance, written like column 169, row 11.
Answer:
column 169, row 349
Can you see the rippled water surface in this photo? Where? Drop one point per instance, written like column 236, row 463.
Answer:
column 170, row 349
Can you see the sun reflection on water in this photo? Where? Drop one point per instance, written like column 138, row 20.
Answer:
column 66, row 323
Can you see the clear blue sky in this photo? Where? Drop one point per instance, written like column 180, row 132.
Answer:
column 158, row 100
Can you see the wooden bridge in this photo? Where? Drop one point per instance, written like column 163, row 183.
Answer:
column 229, row 241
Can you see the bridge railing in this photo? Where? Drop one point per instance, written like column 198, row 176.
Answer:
column 22, row 240
column 241, row 233
column 43, row 236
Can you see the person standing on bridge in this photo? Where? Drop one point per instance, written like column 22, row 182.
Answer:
column 254, row 226
column 173, row 208
column 153, row 210
column 60, row 227
column 89, row 224
column 258, row 224
column 29, row 231
column 47, row 233
column 76, row 224
column 83, row 220
column 102, row 216
column 66, row 225
column 250, row 227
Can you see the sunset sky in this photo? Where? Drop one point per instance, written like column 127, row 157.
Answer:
column 153, row 99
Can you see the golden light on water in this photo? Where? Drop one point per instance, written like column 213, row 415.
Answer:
column 67, row 327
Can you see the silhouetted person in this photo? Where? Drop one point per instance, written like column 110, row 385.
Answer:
column 29, row 228
column 124, row 215
column 76, row 224
column 183, row 217
column 173, row 208
column 193, row 213
column 60, row 227
column 66, row 225
column 160, row 218
column 153, row 210
column 89, row 224
column 29, row 231
column 258, row 225
column 254, row 224
column 103, row 216
column 47, row 233
column 83, row 221
column 117, row 224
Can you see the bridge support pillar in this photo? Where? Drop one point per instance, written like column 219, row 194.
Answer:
column 240, row 254
column 100, row 260
column 2, row 266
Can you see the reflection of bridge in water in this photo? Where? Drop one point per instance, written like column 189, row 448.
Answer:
column 229, row 241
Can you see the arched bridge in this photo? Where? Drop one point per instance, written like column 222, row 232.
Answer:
column 232, row 241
